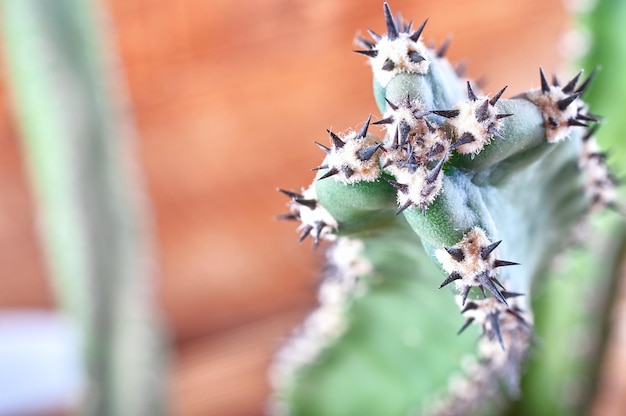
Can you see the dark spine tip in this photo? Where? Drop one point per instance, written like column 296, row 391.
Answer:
column 517, row 316
column 368, row 152
column 545, row 87
column 305, row 233
column 433, row 174
column 399, row 186
column 470, row 92
column 319, row 227
column 571, row 85
column 396, row 143
column 415, row 57
column 504, row 263
column 337, row 142
column 565, row 102
column 590, row 132
column 469, row 307
column 456, row 253
column 363, row 131
column 388, row 65
column 324, row 148
column 416, row 35
column 510, row 295
column 494, row 131
column 446, row 113
column 487, row 282
column 292, row 195
column 482, row 112
column 464, row 139
column 321, row 167
column 309, row 203
column 371, row 53
column 347, row 171
column 486, row 251
column 583, row 87
column 465, row 294
column 453, row 276
column 467, row 323
column 494, row 320
column 392, row 29
column 496, row 97
column 588, row 117
column 575, row 123
column 387, row 120
column 404, row 207
column 393, row 106
column 328, row 174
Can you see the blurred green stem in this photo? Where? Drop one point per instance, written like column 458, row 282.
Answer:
column 96, row 233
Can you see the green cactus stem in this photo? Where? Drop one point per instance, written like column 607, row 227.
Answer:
column 467, row 191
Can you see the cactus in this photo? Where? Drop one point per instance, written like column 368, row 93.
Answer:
column 467, row 192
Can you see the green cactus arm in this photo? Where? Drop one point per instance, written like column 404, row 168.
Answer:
column 358, row 206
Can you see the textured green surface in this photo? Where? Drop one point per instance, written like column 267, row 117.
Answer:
column 401, row 347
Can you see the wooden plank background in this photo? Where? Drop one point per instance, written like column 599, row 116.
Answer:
column 228, row 97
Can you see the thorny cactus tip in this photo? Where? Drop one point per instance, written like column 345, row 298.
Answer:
column 462, row 170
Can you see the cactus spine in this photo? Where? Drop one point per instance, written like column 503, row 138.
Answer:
column 465, row 190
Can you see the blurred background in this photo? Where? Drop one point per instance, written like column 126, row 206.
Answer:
column 227, row 98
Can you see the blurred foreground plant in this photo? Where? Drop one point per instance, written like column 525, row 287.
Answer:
column 80, row 152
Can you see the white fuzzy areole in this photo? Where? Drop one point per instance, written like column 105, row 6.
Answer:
column 473, row 264
column 416, row 184
column 466, row 122
column 363, row 170
column 547, row 103
column 397, row 51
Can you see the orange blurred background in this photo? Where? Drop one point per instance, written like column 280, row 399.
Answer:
column 228, row 97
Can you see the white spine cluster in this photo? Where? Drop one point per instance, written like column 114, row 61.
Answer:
column 472, row 263
column 561, row 107
column 395, row 56
column 353, row 157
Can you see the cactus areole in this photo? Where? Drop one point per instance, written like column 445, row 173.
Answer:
column 490, row 189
